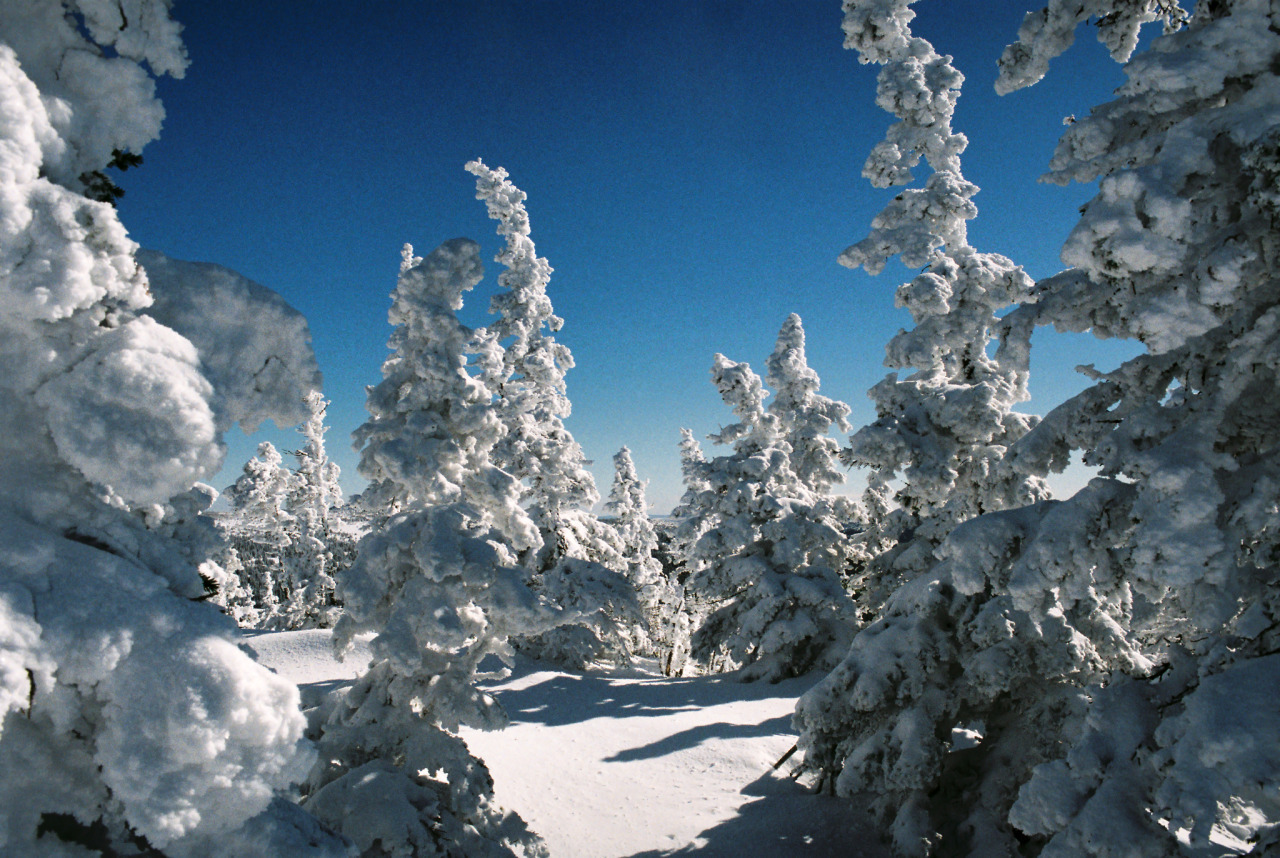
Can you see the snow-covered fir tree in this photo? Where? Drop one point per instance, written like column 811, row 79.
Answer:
column 130, row 717
column 1110, row 655
column 439, row 583
column 686, row 525
column 945, row 415
column 805, row 416
column 317, row 548
column 260, row 526
column 659, row 599
column 524, row 368
column 284, row 543
column 768, row 553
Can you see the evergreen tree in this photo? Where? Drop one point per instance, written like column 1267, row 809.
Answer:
column 942, row 430
column 1096, row 648
column 528, row 384
column 804, row 415
column 769, row 551
column 440, row 585
column 313, row 494
column 260, row 529
column 659, row 600
column 578, row 561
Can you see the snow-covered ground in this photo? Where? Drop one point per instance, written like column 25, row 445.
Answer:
column 628, row 763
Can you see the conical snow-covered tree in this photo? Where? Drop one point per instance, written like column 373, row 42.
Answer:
column 687, row 524
column 261, row 494
column 130, row 717
column 314, row 492
column 260, row 527
column 1110, row 657
column 439, row 583
column 768, row 550
column 659, row 600
column 579, row 558
column 528, row 383
column 805, row 416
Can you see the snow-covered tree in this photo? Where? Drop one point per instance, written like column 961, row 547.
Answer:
column 524, row 367
column 659, row 598
column 945, row 415
column 805, row 416
column 129, row 716
column 687, row 524
column 283, row 542
column 1107, row 657
column 261, row 494
column 441, row 586
column 261, row 527
column 313, row 493
column 768, row 553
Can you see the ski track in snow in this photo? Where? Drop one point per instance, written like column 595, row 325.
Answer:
column 622, row 762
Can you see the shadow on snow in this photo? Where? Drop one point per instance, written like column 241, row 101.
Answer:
column 697, row 735
column 784, row 820
column 563, row 699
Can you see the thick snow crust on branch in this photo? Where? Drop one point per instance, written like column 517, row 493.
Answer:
column 254, row 348
column 129, row 714
column 1081, row 677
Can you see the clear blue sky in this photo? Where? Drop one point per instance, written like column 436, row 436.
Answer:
column 693, row 171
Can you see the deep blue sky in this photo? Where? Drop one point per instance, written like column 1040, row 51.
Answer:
column 693, row 171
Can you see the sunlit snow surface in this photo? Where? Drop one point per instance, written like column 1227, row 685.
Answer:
column 628, row 763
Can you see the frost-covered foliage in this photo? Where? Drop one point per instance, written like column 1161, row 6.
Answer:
column 523, row 368
column 439, row 583
column 285, row 537
column 942, row 429
column 254, row 348
column 659, row 599
column 1107, row 654
column 768, row 550
column 129, row 717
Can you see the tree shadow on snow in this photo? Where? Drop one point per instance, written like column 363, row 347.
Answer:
column 697, row 735
column 572, row 698
column 786, row 820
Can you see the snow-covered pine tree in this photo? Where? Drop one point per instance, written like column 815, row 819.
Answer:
column 524, row 368
column 768, row 557
column 529, row 385
column 659, row 599
column 688, row 522
column 942, row 429
column 1112, row 654
column 260, row 529
column 440, row 585
column 129, row 715
column 805, row 416
column 313, row 493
